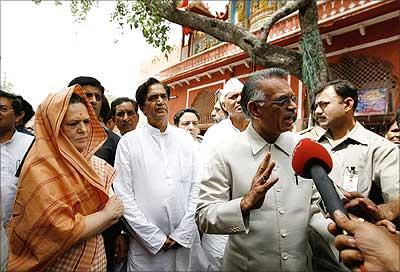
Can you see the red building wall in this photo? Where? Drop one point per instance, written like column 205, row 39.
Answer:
column 381, row 41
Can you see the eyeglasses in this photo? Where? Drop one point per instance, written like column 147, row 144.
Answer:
column 5, row 109
column 122, row 113
column 281, row 102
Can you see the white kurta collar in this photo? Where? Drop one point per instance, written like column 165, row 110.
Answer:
column 155, row 131
column 13, row 138
column 229, row 120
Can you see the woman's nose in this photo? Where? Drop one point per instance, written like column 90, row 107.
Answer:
column 82, row 127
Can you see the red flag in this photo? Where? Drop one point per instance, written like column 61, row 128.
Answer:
column 186, row 30
column 184, row 4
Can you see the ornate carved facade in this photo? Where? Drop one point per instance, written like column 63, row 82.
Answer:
column 361, row 39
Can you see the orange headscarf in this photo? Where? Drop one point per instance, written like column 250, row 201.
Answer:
column 57, row 188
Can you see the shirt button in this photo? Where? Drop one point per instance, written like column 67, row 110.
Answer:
column 281, row 211
column 278, row 189
column 285, row 256
column 284, row 233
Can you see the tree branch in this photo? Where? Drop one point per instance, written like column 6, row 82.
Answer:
column 287, row 9
column 265, row 55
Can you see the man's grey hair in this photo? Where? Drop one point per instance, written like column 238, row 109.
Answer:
column 251, row 89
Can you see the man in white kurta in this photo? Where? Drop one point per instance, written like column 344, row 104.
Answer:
column 13, row 146
column 158, row 172
column 218, row 134
column 236, row 121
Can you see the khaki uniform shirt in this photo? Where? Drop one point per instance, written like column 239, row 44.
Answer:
column 366, row 157
column 273, row 237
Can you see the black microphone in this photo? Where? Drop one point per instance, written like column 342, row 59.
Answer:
column 312, row 160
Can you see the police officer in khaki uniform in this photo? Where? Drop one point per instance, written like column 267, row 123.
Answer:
column 363, row 161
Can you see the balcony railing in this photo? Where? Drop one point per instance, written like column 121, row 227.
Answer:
column 327, row 10
column 203, row 58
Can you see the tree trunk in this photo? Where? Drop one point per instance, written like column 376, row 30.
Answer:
column 314, row 64
column 309, row 64
column 315, row 67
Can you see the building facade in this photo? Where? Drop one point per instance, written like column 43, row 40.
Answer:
column 362, row 45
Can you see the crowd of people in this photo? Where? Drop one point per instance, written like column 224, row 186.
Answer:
column 89, row 190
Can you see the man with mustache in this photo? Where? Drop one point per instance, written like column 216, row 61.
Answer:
column 249, row 189
column 236, row 121
column 218, row 113
column 158, row 179
column 125, row 114
column 214, row 245
column 13, row 146
column 189, row 119
column 363, row 161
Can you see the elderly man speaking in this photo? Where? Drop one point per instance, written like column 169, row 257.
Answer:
column 249, row 189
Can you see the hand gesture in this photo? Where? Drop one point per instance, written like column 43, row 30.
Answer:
column 261, row 183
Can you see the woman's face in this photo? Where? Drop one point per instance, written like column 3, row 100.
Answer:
column 393, row 134
column 76, row 126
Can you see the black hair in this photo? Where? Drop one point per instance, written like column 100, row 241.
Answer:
column 108, row 117
column 76, row 99
column 251, row 89
column 343, row 88
column 104, row 109
column 179, row 114
column 121, row 100
column 16, row 102
column 85, row 80
column 26, row 107
column 398, row 117
column 143, row 89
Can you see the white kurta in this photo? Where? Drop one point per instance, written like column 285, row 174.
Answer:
column 158, row 177
column 217, row 133
column 12, row 153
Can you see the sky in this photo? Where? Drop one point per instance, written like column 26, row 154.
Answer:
column 43, row 49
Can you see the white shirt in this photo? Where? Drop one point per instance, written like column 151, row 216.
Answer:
column 3, row 245
column 158, row 177
column 12, row 153
column 218, row 133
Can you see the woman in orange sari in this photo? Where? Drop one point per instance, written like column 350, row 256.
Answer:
column 62, row 203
